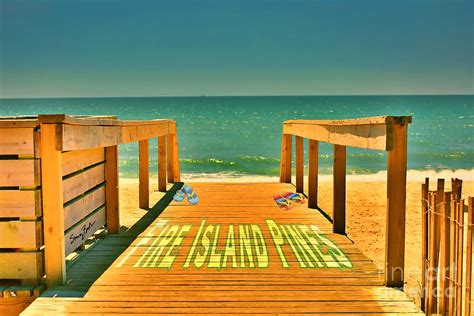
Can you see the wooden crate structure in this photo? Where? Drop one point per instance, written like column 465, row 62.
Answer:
column 59, row 185
column 21, row 236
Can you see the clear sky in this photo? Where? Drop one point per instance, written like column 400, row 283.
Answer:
column 75, row 48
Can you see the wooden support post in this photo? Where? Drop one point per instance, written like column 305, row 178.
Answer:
column 162, row 163
column 424, row 234
column 286, row 153
column 111, row 189
column 396, row 204
column 459, row 270
column 432, row 276
column 53, row 213
column 445, row 211
column 173, row 158
column 470, row 231
column 299, row 164
column 339, row 190
column 169, row 156
column 313, row 174
column 143, row 174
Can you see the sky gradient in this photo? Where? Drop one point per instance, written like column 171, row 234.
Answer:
column 78, row 48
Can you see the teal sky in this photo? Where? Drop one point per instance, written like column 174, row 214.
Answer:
column 75, row 48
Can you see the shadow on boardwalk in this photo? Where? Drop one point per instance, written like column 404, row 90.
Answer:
column 84, row 270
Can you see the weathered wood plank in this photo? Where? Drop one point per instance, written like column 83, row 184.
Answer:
column 82, row 182
column 396, row 204
column 339, row 190
column 76, row 137
column 299, row 164
column 174, row 152
column 77, row 234
column 286, row 156
column 143, row 175
column 82, row 207
column 20, row 173
column 18, row 203
column 16, row 234
column 21, row 265
column 372, row 120
column 111, row 193
column 313, row 173
column 364, row 136
column 17, row 141
column 162, row 163
column 53, row 213
column 80, row 159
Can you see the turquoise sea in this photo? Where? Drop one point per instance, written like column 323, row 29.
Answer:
column 242, row 135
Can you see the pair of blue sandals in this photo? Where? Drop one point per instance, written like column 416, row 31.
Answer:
column 186, row 191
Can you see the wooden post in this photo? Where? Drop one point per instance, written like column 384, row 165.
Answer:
column 431, row 301
column 452, row 258
column 169, row 156
column 470, row 230
column 313, row 174
column 459, row 278
column 444, row 252
column 173, row 158
column 286, row 153
column 424, row 234
column 339, row 190
column 53, row 213
column 111, row 189
column 162, row 163
column 143, row 174
column 396, row 196
column 299, row 164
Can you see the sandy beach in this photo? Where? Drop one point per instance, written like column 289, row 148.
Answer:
column 366, row 208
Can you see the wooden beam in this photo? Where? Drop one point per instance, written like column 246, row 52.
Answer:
column 378, row 137
column 372, row 120
column 313, row 174
column 53, row 213
column 339, row 190
column 162, row 163
column 80, row 159
column 286, row 153
column 111, row 189
column 175, row 160
column 431, row 304
column 143, row 174
column 396, row 204
column 76, row 137
column 299, row 164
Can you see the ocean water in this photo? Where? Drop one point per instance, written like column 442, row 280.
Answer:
column 236, row 136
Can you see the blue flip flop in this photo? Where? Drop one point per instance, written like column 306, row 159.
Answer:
column 179, row 195
column 192, row 196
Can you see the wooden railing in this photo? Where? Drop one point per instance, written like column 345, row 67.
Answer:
column 446, row 276
column 67, row 168
column 387, row 133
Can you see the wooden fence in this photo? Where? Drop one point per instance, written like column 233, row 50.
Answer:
column 446, row 252
column 387, row 133
column 59, row 184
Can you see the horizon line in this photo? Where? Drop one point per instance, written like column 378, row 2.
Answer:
column 237, row 96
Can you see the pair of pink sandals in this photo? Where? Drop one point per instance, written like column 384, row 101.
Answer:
column 285, row 199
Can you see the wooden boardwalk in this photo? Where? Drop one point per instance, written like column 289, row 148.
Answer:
column 235, row 252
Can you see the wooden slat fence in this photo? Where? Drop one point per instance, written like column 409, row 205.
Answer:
column 447, row 230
